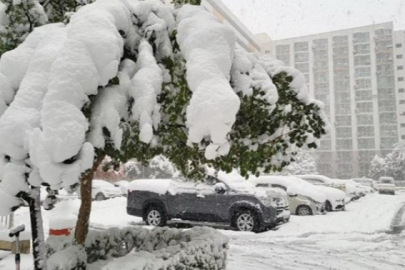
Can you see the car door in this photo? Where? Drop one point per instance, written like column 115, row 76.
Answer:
column 211, row 206
column 182, row 201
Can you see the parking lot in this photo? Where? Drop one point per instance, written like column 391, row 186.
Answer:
column 360, row 237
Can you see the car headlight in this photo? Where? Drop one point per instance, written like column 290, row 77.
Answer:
column 273, row 201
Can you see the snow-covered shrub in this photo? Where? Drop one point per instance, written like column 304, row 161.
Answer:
column 137, row 248
column 70, row 258
column 304, row 163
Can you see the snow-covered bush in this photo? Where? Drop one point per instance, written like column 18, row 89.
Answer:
column 393, row 164
column 304, row 163
column 138, row 248
column 159, row 167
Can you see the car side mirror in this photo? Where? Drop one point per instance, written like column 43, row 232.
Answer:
column 220, row 188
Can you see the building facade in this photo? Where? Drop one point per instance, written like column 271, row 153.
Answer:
column 399, row 50
column 353, row 72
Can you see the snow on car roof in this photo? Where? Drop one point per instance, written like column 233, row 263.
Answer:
column 234, row 180
column 159, row 186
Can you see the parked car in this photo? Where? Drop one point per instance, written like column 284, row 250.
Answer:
column 353, row 189
column 322, row 180
column 123, row 185
column 365, row 182
column 386, row 185
column 335, row 198
column 102, row 190
column 159, row 200
column 303, row 198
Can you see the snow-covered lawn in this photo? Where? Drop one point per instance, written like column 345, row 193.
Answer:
column 353, row 239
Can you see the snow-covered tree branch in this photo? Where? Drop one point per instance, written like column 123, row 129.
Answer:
column 135, row 79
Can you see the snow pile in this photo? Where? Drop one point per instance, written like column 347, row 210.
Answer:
column 72, row 257
column 138, row 248
column 208, row 47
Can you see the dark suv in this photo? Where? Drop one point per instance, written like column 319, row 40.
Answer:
column 158, row 201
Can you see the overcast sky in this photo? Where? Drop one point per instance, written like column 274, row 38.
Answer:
column 290, row 18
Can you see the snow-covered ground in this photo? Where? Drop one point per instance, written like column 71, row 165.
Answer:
column 358, row 238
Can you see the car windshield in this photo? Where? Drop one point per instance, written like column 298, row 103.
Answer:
column 386, row 181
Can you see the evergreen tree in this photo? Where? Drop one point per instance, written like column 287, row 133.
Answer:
column 394, row 164
column 304, row 163
column 377, row 167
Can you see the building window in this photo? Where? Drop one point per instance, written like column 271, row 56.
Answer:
column 400, row 68
column 343, row 120
column 303, row 67
column 301, row 46
column 363, row 83
column 362, row 72
column 401, row 90
column 400, row 79
column 398, row 45
column 267, row 51
column 362, row 60
column 365, row 131
column 364, row 107
column 399, row 56
column 343, row 132
column 346, row 144
column 402, row 124
column 402, row 102
column 366, row 143
column 364, row 95
column 365, row 119
column 403, row 137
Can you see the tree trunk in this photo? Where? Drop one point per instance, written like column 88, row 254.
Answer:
column 82, row 225
column 37, row 232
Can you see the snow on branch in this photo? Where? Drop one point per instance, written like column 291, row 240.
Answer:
column 208, row 47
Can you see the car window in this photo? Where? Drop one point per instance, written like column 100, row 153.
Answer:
column 313, row 181
column 205, row 189
column 386, row 181
column 279, row 186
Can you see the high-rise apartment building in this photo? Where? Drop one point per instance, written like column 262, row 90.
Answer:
column 399, row 51
column 353, row 72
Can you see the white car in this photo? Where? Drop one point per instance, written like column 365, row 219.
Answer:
column 303, row 197
column 365, row 182
column 354, row 190
column 123, row 185
column 335, row 198
column 386, row 185
column 102, row 190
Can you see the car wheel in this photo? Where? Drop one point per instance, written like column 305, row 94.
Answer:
column 155, row 216
column 246, row 221
column 304, row 210
column 328, row 206
column 100, row 197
